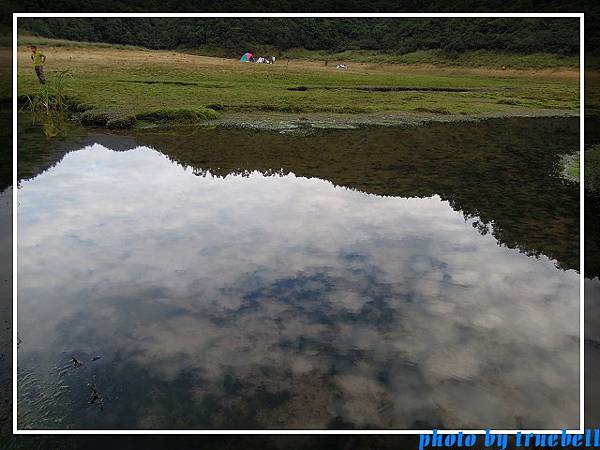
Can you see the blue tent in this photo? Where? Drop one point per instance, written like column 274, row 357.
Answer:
column 247, row 57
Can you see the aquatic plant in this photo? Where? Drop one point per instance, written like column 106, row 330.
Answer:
column 569, row 167
column 49, row 96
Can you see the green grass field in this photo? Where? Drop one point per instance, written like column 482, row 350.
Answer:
column 481, row 58
column 122, row 86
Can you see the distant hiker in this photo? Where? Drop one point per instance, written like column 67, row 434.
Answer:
column 38, row 59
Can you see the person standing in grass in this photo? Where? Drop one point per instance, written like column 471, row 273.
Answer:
column 38, row 59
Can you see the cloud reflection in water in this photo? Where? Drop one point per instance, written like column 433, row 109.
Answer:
column 286, row 300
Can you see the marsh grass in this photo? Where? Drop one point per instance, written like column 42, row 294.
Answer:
column 49, row 104
column 50, row 97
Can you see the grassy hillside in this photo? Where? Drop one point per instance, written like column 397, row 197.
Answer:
column 25, row 40
column 480, row 58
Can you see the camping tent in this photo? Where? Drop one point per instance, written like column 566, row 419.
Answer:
column 247, row 57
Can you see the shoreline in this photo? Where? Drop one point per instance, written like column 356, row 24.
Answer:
column 290, row 123
column 298, row 123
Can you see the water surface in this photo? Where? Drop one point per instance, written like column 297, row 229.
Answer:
column 254, row 280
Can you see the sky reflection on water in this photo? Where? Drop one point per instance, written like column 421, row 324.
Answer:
column 281, row 302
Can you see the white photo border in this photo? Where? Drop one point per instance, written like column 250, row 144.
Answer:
column 581, row 17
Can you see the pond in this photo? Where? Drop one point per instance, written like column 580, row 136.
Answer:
column 227, row 278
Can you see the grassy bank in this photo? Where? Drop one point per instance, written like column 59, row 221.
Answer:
column 125, row 86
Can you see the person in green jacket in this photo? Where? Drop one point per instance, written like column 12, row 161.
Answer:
column 38, row 59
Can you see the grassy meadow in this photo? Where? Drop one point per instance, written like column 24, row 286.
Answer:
column 120, row 86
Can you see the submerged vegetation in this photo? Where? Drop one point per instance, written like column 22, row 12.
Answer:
column 53, row 124
column 570, row 164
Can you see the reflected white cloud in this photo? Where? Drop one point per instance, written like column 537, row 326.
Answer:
column 351, row 308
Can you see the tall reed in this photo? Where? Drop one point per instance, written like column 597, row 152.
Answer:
column 50, row 96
